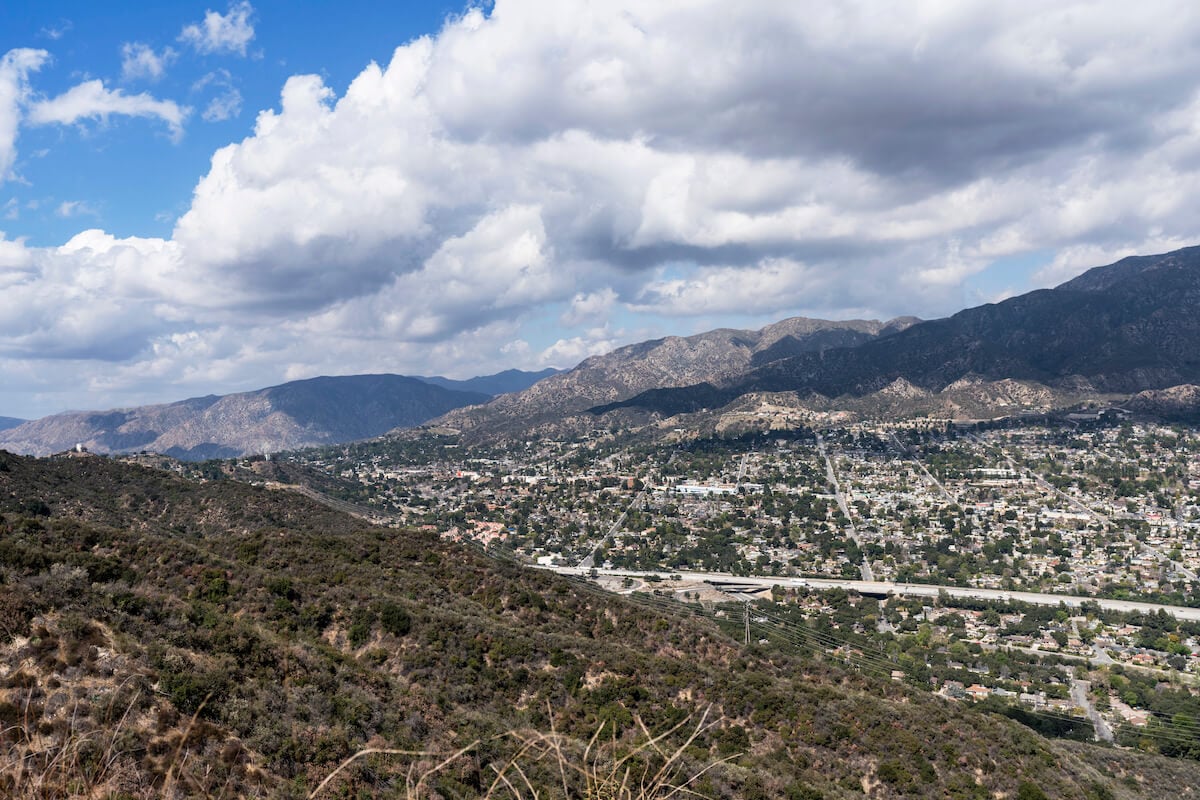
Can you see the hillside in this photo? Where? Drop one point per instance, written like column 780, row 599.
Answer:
column 1124, row 328
column 215, row 639
column 554, row 403
column 326, row 410
column 510, row 380
column 9, row 422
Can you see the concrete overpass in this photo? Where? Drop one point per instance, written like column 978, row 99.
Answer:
column 754, row 583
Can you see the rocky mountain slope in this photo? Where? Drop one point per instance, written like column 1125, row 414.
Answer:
column 303, row 413
column 168, row 638
column 1124, row 328
column 1177, row 402
column 10, row 422
column 672, row 361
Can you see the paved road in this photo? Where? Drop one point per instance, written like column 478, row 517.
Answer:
column 928, row 475
column 1079, row 694
column 881, row 588
column 589, row 561
column 864, row 569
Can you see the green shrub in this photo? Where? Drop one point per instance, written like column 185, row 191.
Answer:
column 394, row 619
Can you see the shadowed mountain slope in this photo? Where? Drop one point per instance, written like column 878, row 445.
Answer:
column 326, row 410
column 671, row 361
column 1124, row 328
column 510, row 380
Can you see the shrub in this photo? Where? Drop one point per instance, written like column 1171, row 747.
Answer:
column 394, row 619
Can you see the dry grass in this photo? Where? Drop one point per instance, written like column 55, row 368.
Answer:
column 646, row 767
column 82, row 764
column 535, row 765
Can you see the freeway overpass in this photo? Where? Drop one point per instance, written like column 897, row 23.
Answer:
column 744, row 583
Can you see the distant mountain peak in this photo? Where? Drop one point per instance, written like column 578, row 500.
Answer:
column 1118, row 329
column 510, row 380
column 304, row 413
column 560, row 401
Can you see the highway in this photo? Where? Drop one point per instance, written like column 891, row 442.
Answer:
column 882, row 588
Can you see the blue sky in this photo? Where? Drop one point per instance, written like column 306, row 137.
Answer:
column 202, row 198
column 129, row 176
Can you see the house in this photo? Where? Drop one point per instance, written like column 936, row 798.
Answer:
column 977, row 692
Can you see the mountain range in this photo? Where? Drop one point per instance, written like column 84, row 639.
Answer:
column 1125, row 328
column 555, row 404
column 1126, row 332
column 510, row 380
column 303, row 413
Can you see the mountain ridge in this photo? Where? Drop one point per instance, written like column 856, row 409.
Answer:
column 314, row 411
column 554, row 404
column 1123, row 328
column 505, row 382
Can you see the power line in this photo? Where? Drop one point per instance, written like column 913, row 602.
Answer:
column 806, row 638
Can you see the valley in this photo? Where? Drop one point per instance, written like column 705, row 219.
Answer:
column 853, row 564
column 1025, row 549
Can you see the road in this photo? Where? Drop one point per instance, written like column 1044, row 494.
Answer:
column 928, row 475
column 831, row 475
column 882, row 588
column 589, row 561
column 1096, row 515
column 745, row 460
column 1079, row 695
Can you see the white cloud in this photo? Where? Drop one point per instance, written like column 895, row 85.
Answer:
column 566, row 353
column 56, row 32
column 15, row 67
column 140, row 62
column 74, row 208
column 770, row 286
column 91, row 100
column 589, row 308
column 222, row 33
column 227, row 104
column 570, row 161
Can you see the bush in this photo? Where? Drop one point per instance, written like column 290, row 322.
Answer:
column 394, row 619
column 1030, row 791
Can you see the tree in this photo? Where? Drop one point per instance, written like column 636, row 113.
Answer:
column 1030, row 791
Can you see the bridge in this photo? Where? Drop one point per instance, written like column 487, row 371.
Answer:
column 749, row 584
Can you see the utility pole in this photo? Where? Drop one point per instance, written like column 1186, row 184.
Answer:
column 747, row 618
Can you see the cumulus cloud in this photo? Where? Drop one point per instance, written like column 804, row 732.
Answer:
column 140, row 61
column 92, row 100
column 221, row 33
column 567, row 162
column 590, row 307
column 15, row 67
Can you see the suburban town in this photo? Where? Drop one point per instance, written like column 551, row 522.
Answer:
column 834, row 530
